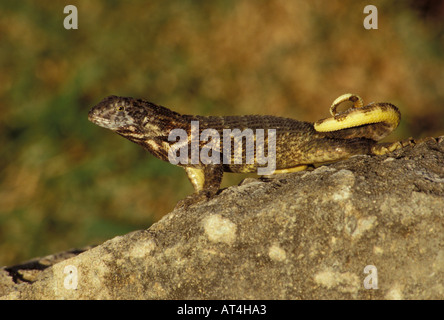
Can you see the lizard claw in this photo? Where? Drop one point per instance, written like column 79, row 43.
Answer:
column 193, row 199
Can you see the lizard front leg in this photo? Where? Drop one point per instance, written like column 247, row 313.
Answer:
column 206, row 182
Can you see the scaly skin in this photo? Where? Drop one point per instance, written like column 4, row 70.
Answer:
column 299, row 144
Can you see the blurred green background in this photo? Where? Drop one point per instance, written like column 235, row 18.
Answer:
column 67, row 183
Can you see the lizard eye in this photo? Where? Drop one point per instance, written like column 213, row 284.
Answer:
column 120, row 108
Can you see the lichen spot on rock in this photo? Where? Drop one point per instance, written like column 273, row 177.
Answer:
column 219, row 229
column 276, row 253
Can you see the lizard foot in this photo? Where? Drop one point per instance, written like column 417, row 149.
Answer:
column 384, row 148
column 193, row 199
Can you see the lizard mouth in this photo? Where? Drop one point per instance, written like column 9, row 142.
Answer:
column 100, row 121
column 91, row 116
column 94, row 118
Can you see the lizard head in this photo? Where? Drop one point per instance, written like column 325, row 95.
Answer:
column 135, row 119
column 116, row 113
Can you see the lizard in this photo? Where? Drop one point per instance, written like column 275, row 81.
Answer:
column 298, row 144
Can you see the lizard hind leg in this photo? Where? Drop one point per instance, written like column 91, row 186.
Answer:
column 288, row 170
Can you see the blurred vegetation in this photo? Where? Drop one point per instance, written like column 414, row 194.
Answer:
column 66, row 183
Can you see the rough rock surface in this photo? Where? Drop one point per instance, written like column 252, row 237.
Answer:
column 305, row 235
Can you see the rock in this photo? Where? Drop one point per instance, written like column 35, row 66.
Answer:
column 369, row 221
